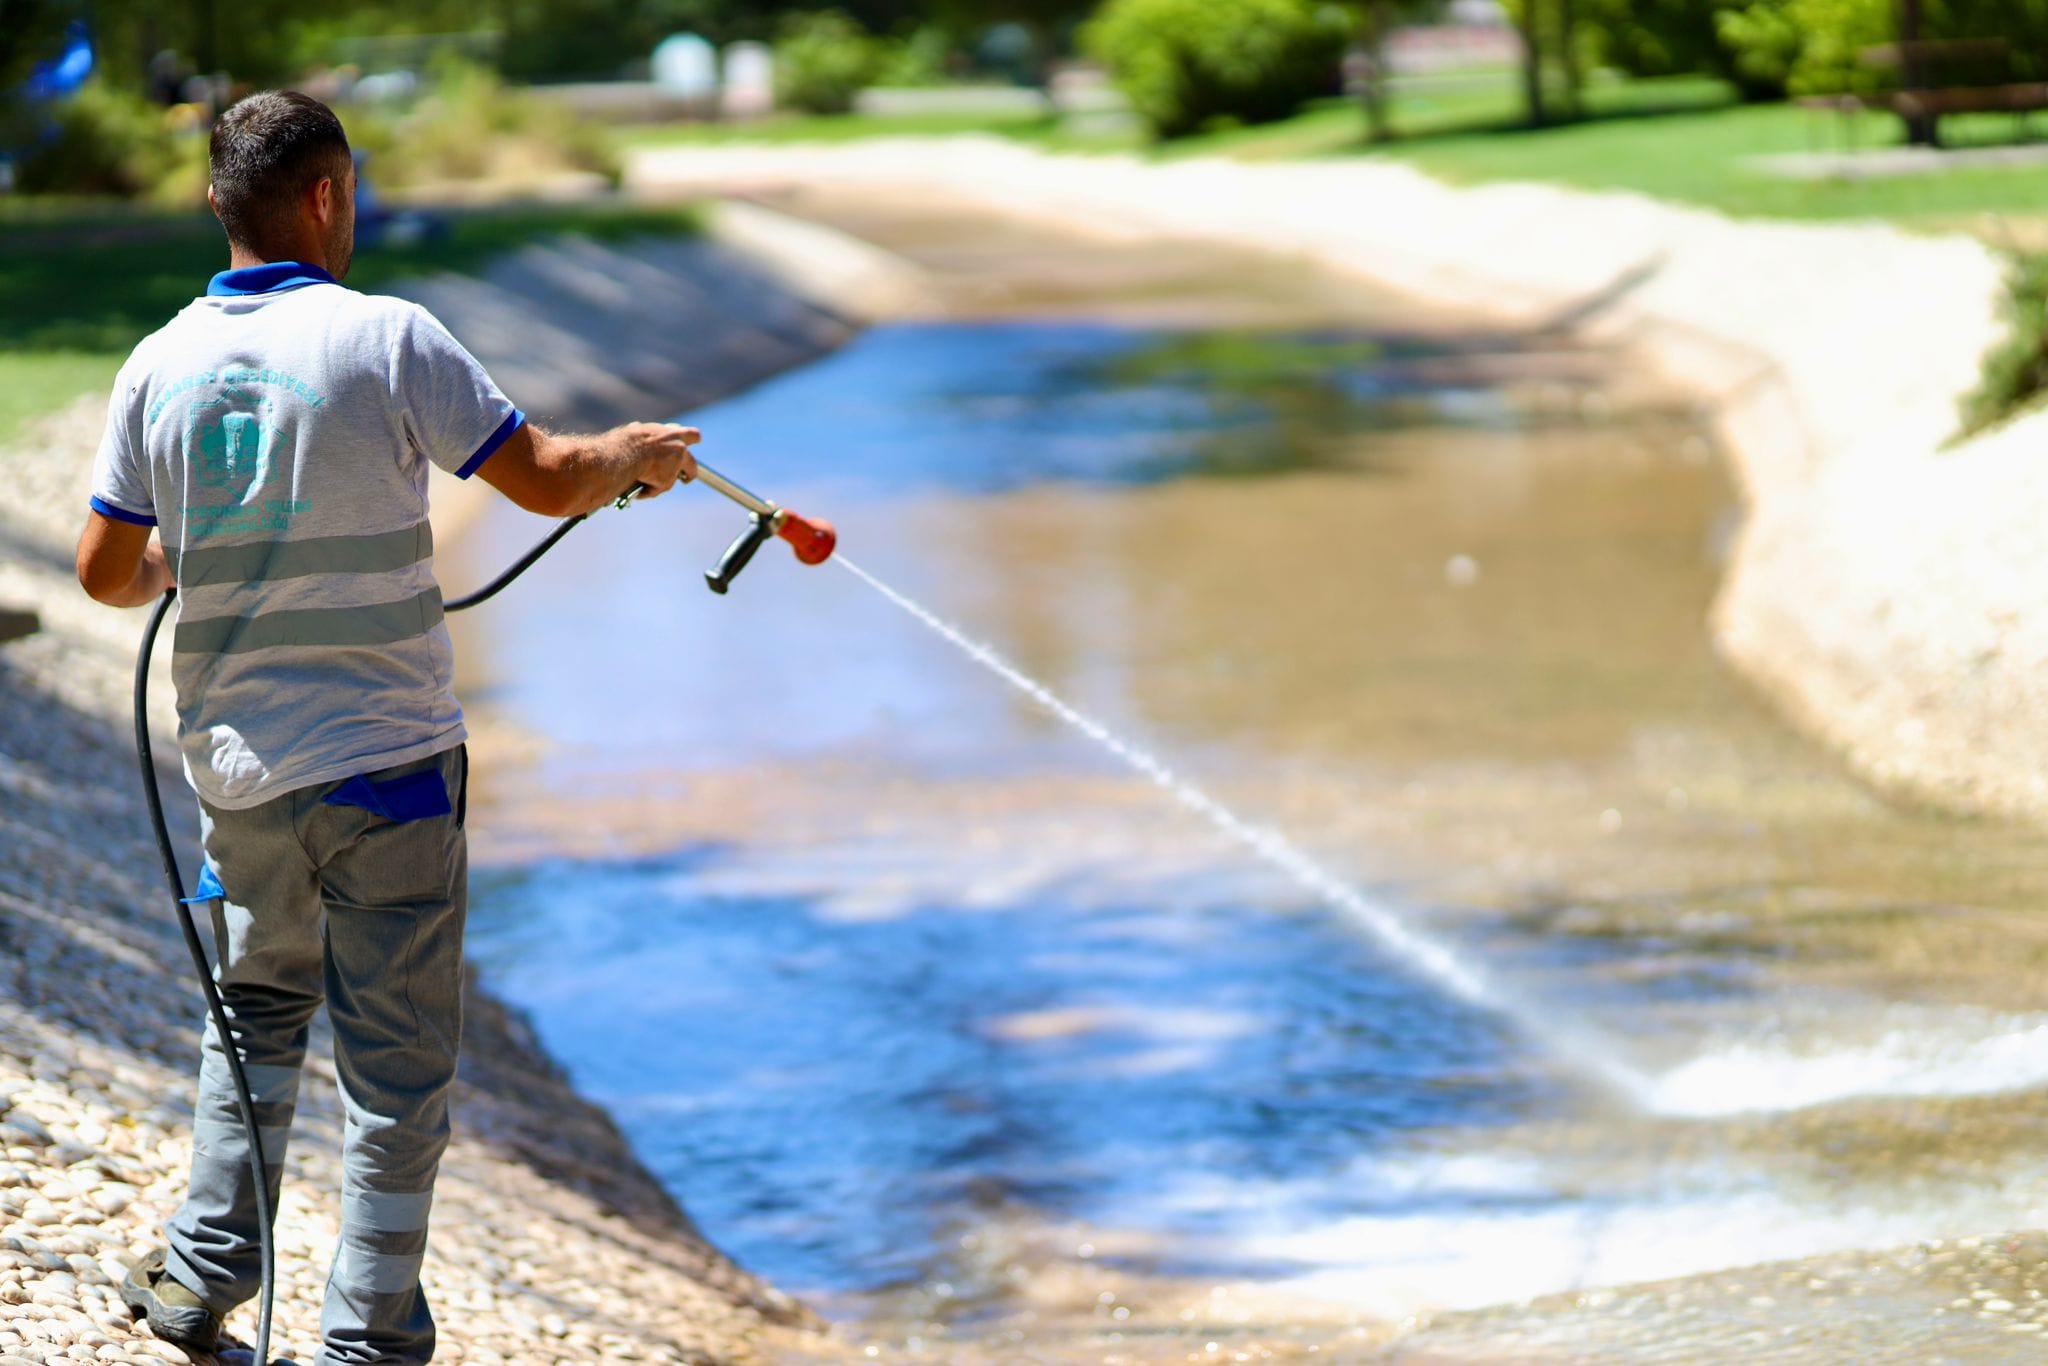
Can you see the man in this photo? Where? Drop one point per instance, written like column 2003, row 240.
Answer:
column 276, row 432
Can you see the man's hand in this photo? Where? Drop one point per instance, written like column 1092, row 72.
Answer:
column 664, row 450
column 121, row 564
column 566, row 476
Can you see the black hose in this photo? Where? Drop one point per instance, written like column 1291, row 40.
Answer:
column 245, row 1100
column 518, row 566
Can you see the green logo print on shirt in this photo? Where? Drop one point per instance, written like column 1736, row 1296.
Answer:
column 231, row 439
column 233, row 451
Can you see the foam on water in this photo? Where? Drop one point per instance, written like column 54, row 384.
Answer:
column 1398, row 1265
column 1462, row 1230
column 1958, row 1056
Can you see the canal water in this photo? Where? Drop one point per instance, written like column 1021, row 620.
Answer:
column 931, row 1012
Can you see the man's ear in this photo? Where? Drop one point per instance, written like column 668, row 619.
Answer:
column 324, row 202
column 211, row 202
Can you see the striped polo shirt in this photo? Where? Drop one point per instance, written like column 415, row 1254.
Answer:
column 277, row 433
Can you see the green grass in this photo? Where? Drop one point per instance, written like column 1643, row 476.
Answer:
column 844, row 128
column 1450, row 105
column 1701, row 157
column 33, row 383
column 81, row 283
column 1684, row 139
column 476, row 236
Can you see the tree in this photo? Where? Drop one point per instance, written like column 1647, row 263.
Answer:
column 1920, row 125
column 1568, row 56
column 1375, row 18
column 1532, row 63
column 1683, row 37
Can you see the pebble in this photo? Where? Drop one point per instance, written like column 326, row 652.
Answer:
column 21, row 1129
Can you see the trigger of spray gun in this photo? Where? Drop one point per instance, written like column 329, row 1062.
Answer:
column 812, row 538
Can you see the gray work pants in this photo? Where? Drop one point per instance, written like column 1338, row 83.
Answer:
column 366, row 911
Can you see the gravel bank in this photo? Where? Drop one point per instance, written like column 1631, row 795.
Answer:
column 1885, row 591
column 551, row 1243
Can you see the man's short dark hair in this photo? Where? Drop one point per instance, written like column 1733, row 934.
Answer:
column 265, row 152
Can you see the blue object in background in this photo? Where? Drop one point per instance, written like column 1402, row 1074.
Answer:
column 63, row 74
column 47, row 81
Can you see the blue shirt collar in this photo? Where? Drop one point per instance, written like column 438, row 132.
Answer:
column 272, row 278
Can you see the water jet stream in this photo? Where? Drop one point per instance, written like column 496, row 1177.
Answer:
column 1435, row 961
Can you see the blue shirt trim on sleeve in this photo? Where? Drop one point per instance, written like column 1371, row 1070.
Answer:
column 491, row 444
column 120, row 514
column 272, row 278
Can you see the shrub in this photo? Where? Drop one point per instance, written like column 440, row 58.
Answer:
column 1763, row 43
column 469, row 126
column 109, row 142
column 1187, row 64
column 1648, row 37
column 1811, row 46
column 2016, row 368
column 920, row 59
column 823, row 60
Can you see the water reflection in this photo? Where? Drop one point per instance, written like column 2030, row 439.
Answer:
column 993, row 406
column 824, row 1092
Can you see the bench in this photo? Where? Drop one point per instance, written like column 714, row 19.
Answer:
column 1959, row 76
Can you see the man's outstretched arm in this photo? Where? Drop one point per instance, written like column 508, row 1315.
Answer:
column 562, row 476
column 119, row 564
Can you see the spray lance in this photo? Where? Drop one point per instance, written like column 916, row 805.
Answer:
column 811, row 538
column 813, row 541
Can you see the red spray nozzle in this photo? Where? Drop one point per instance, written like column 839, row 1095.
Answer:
column 812, row 538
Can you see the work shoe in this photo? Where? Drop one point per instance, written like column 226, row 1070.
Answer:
column 175, row 1314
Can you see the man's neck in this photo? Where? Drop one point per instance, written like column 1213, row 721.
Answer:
column 240, row 258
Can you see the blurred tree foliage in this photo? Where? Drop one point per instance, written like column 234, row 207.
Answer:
column 1051, row 24
column 258, row 41
column 1817, row 46
column 470, row 124
column 30, row 32
column 107, row 141
column 264, row 41
column 823, row 60
column 1653, row 37
column 1765, row 46
column 1637, row 38
column 1187, row 64
column 1771, row 47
